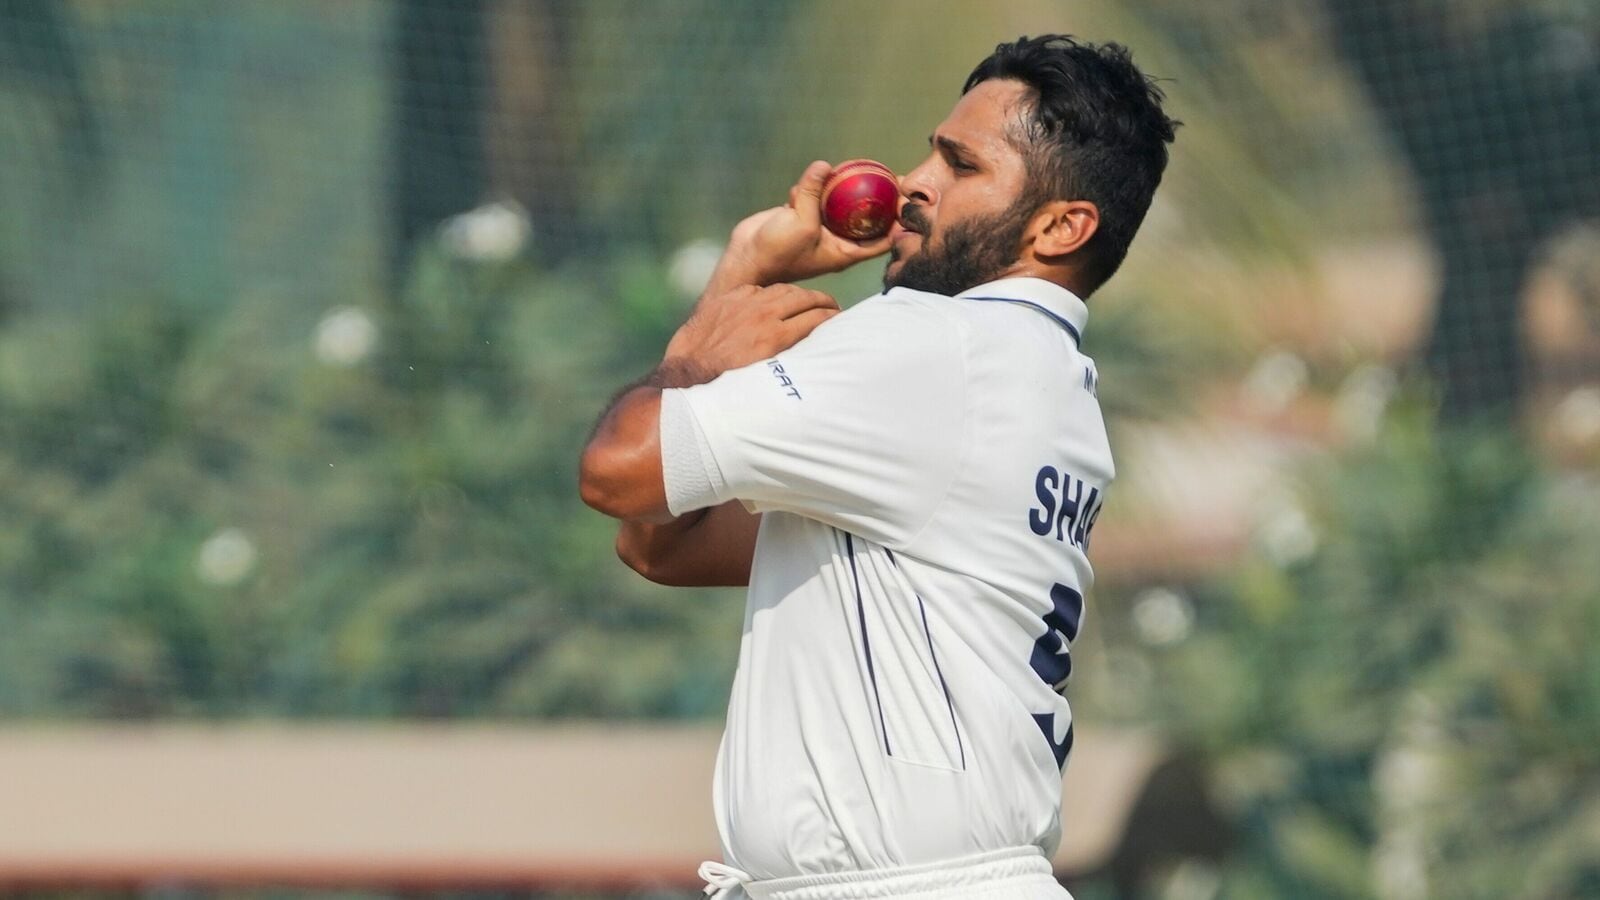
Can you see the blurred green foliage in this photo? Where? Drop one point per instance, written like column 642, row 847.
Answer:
column 413, row 541
column 1409, row 706
column 243, row 475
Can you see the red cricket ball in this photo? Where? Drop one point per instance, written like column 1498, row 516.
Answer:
column 860, row 200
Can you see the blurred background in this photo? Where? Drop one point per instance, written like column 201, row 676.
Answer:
column 307, row 307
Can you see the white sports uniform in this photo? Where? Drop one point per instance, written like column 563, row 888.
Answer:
column 929, row 469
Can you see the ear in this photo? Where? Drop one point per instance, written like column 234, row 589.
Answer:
column 1062, row 226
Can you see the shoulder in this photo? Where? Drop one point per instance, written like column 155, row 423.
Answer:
column 905, row 304
column 892, row 342
column 899, row 323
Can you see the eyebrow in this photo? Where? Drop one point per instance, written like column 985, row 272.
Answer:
column 949, row 145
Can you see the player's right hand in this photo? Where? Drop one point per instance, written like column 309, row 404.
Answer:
column 789, row 243
column 734, row 328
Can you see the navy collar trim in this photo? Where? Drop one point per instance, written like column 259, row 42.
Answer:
column 1056, row 302
column 1077, row 336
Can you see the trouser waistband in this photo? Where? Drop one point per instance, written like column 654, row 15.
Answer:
column 979, row 870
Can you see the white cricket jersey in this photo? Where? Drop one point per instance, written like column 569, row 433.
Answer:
column 929, row 469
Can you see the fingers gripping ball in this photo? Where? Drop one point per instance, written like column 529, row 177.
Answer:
column 860, row 200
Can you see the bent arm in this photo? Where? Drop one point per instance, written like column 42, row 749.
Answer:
column 621, row 476
column 620, row 473
column 735, row 324
column 705, row 548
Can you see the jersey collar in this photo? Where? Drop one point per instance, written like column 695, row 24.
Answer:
column 1047, row 297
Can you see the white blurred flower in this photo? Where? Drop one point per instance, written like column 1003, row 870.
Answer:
column 1192, row 879
column 1363, row 398
column 345, row 336
column 1409, row 783
column 1407, row 775
column 1578, row 415
column 226, row 557
column 1162, row 616
column 1400, row 865
column 494, row 232
column 1275, row 381
column 1285, row 533
column 691, row 266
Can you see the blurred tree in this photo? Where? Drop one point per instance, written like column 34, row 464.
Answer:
column 485, row 107
column 37, row 55
column 530, row 131
column 38, row 58
column 438, row 132
column 205, row 516
column 1409, row 708
column 1496, row 106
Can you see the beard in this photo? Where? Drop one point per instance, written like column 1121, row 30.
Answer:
column 969, row 253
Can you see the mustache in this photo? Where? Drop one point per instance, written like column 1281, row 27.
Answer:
column 914, row 219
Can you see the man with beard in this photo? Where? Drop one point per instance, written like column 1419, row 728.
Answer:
column 908, row 489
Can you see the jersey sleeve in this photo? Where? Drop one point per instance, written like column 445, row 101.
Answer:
column 860, row 426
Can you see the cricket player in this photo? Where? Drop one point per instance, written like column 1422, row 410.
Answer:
column 908, row 488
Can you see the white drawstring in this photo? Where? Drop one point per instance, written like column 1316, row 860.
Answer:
column 722, row 879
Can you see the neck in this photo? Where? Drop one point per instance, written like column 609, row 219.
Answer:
column 1055, row 273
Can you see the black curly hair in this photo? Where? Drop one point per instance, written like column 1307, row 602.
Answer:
column 1094, row 130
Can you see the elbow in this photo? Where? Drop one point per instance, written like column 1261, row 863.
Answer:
column 610, row 481
column 619, row 473
column 599, row 482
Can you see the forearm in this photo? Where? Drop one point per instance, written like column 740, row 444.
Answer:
column 704, row 548
column 736, row 268
column 649, row 548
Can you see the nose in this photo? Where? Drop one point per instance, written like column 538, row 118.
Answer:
column 917, row 187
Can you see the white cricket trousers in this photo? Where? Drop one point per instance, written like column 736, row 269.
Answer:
column 1020, row 873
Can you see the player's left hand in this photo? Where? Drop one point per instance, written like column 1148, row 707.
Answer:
column 747, row 324
column 789, row 243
